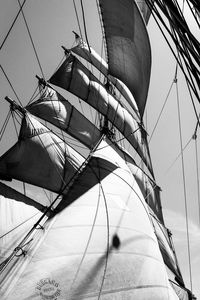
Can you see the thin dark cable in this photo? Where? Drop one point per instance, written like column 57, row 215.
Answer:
column 88, row 242
column 5, row 124
column 197, row 173
column 13, row 117
column 77, row 18
column 12, row 25
column 10, row 84
column 84, row 24
column 177, row 157
column 108, row 237
column 159, row 116
column 29, row 33
column 22, row 223
column 177, row 44
column 184, row 188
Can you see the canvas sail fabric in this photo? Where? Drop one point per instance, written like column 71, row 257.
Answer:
column 74, row 77
column 128, row 47
column 55, row 109
column 166, row 247
column 90, row 55
column 40, row 157
column 16, row 218
column 148, row 187
column 10, row 193
column 145, row 10
column 93, row 244
column 150, row 191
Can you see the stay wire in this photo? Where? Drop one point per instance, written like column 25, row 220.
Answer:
column 184, row 188
column 197, row 175
column 10, row 84
column 13, row 23
column 31, row 39
column 5, row 124
column 79, row 26
column 159, row 116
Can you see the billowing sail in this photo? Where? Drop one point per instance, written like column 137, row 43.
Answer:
column 89, row 54
column 55, row 109
column 128, row 47
column 149, row 189
column 16, row 219
column 76, row 78
column 40, row 158
column 10, row 193
column 102, row 244
column 166, row 247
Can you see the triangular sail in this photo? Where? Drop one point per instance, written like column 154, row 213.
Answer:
column 74, row 77
column 90, row 55
column 40, row 158
column 128, row 47
column 55, row 109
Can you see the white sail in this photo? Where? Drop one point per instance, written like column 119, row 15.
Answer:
column 77, row 79
column 90, row 55
column 40, row 158
column 55, row 109
column 8, row 192
column 128, row 47
column 92, row 246
column 16, row 218
column 150, row 190
column 166, row 247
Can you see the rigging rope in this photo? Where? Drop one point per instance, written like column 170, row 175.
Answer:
column 197, row 172
column 184, row 187
column 159, row 116
column 13, row 23
column 5, row 124
column 108, row 238
column 10, row 84
column 77, row 18
column 29, row 33
column 22, row 223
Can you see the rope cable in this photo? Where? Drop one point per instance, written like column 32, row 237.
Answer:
column 184, row 187
column 77, row 18
column 10, row 84
column 13, row 23
column 31, row 39
column 159, row 116
column 5, row 124
column 197, row 175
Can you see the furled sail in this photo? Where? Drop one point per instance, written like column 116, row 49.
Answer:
column 90, row 55
column 55, row 109
column 128, row 47
column 89, row 247
column 77, row 79
column 40, row 157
